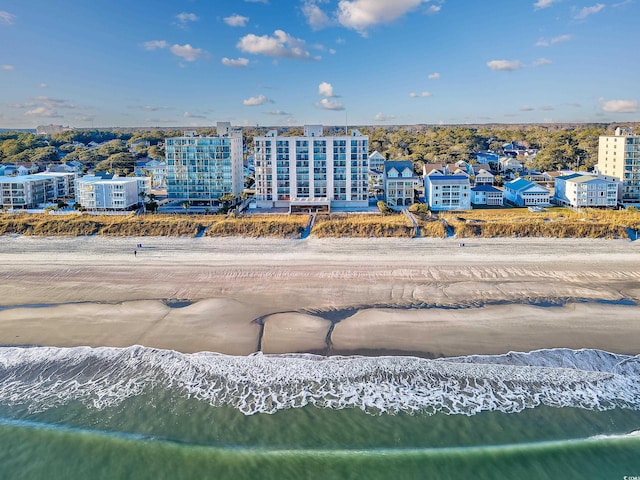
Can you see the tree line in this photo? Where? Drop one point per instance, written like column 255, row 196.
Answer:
column 558, row 146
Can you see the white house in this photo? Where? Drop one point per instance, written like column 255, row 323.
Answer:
column 578, row 190
column 510, row 164
column 158, row 172
column 522, row 193
column 486, row 195
column 398, row 183
column 484, row 177
column 447, row 192
column 376, row 161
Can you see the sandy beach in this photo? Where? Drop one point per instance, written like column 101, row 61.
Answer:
column 427, row 297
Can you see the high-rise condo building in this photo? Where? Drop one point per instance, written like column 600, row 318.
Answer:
column 619, row 159
column 200, row 169
column 312, row 170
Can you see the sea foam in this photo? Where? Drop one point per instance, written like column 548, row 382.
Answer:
column 39, row 378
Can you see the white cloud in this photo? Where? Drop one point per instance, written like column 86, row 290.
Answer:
column 332, row 51
column 155, row 44
column 316, row 17
column 259, row 100
column 329, row 104
column 184, row 18
column 21, row 105
column 7, row 67
column 508, row 65
column 54, row 102
column 540, row 4
column 359, row 15
column 418, row 95
column 586, row 11
column 187, row 52
column 434, row 9
column 560, row 38
column 433, row 76
column 43, row 85
column 619, row 106
column 325, row 89
column 235, row 62
column 380, row 117
column 277, row 112
column 547, row 108
column 281, row 45
column 236, row 20
column 542, row 61
column 526, row 108
column 6, row 17
column 193, row 115
column 44, row 112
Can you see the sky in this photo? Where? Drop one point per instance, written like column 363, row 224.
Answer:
column 163, row 63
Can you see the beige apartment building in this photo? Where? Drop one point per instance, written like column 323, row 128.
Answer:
column 619, row 159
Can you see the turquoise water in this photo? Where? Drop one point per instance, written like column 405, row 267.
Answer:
column 144, row 413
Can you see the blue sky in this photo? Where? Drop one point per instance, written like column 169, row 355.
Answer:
column 272, row 62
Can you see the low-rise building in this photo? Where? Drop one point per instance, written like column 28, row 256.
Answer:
column 31, row 191
column 486, row 195
column 104, row 193
column 524, row 193
column 447, row 192
column 398, row 183
column 484, row 177
column 61, row 185
column 376, row 161
column 158, row 172
column 579, row 190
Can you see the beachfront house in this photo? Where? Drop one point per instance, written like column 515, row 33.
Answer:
column 523, row 193
column 312, row 171
column 486, row 195
column 581, row 190
column 447, row 192
column 398, row 183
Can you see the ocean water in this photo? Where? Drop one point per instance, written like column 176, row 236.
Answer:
column 138, row 413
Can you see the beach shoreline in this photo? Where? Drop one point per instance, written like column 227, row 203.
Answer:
column 427, row 297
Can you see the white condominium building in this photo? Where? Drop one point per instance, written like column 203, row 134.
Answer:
column 116, row 193
column 30, row 191
column 312, row 170
column 201, row 169
column 619, row 159
column 578, row 190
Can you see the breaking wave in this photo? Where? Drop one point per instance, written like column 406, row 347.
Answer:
column 40, row 378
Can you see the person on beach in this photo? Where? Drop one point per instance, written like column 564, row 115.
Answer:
column 135, row 253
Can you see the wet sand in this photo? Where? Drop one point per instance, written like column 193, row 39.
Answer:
column 418, row 296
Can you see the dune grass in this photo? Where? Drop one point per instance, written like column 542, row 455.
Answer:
column 508, row 222
column 553, row 222
column 362, row 226
column 107, row 225
column 277, row 226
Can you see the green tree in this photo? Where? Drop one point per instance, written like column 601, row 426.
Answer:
column 122, row 163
